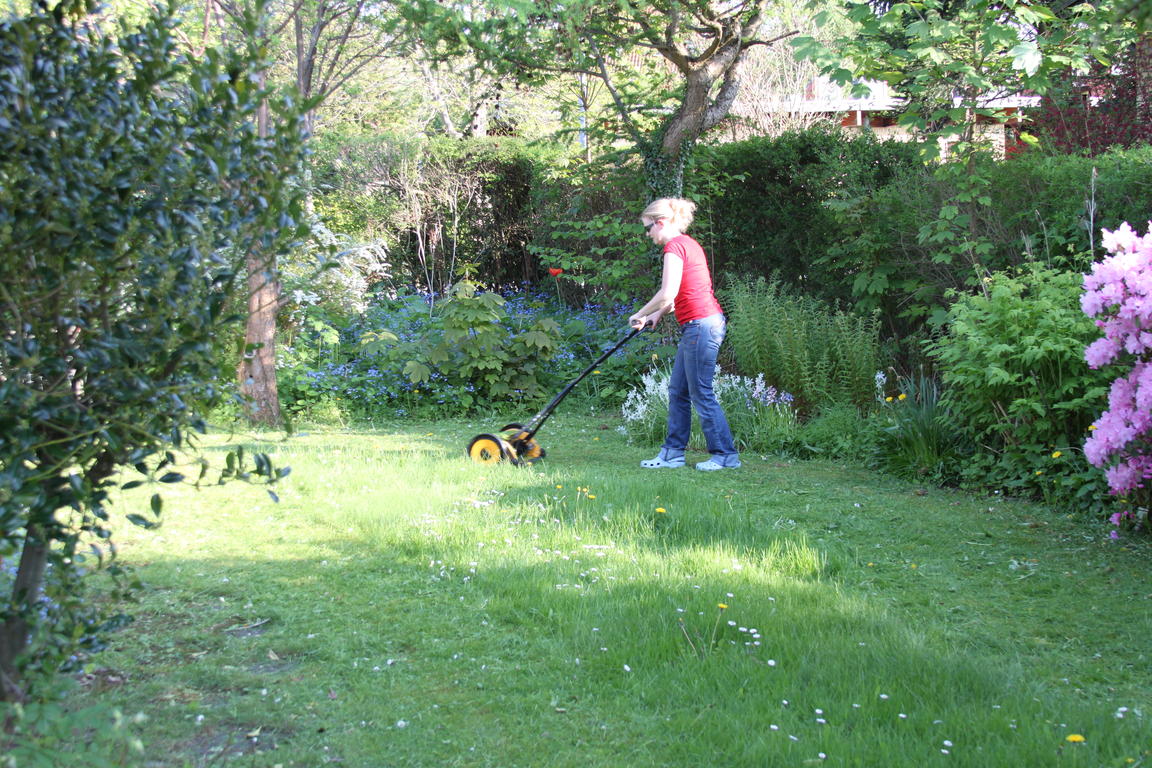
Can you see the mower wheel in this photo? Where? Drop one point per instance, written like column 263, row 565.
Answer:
column 490, row 449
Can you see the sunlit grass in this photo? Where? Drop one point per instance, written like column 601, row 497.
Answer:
column 403, row 606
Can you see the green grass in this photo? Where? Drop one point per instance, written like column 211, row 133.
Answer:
column 401, row 606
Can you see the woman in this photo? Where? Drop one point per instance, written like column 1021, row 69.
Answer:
column 686, row 287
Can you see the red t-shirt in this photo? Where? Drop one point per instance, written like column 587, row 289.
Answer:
column 695, row 299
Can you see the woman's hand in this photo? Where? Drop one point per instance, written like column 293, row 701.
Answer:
column 639, row 321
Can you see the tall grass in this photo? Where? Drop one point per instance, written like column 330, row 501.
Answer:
column 802, row 345
column 402, row 606
column 918, row 440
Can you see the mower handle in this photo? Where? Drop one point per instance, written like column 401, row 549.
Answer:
column 537, row 421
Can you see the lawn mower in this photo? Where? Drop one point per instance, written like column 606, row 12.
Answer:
column 516, row 443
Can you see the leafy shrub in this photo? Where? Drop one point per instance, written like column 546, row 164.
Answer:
column 587, row 223
column 771, row 219
column 801, row 344
column 1015, row 382
column 840, row 431
column 45, row 734
column 902, row 247
column 135, row 183
column 362, row 375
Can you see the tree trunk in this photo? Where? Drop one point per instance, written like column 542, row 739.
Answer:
column 25, row 594
column 663, row 175
column 257, row 370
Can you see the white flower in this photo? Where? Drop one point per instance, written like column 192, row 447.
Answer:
column 627, row 668
column 401, row 723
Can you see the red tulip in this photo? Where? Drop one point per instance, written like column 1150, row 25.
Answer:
column 555, row 271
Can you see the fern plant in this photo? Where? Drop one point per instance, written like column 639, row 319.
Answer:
column 802, row 345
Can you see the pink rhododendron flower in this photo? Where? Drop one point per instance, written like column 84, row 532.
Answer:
column 1118, row 293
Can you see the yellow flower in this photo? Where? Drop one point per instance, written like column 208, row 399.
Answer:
column 913, row 565
column 722, row 606
column 888, row 399
column 661, row 510
column 1075, row 738
column 902, row 396
column 595, row 371
column 591, row 495
column 1091, row 427
column 1056, row 454
column 559, row 486
column 1039, row 471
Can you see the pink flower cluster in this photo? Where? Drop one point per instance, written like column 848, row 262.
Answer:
column 1118, row 293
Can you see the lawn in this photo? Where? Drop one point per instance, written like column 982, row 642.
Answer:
column 401, row 606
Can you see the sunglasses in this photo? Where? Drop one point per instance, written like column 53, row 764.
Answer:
column 648, row 227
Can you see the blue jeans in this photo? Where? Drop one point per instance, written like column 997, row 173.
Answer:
column 691, row 385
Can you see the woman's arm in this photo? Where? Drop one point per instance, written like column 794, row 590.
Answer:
column 665, row 298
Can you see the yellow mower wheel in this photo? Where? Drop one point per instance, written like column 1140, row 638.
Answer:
column 489, row 449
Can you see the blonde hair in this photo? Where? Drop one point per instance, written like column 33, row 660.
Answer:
column 677, row 211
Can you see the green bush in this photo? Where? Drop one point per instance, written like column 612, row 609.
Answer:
column 840, row 431
column 588, row 225
column 894, row 250
column 771, row 218
column 1016, row 384
column 134, row 185
column 802, row 345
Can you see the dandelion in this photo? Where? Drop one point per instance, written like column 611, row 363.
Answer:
column 661, row 511
column 889, row 399
column 722, row 606
column 1075, row 738
column 1056, row 454
column 591, row 495
column 1039, row 471
column 902, row 396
